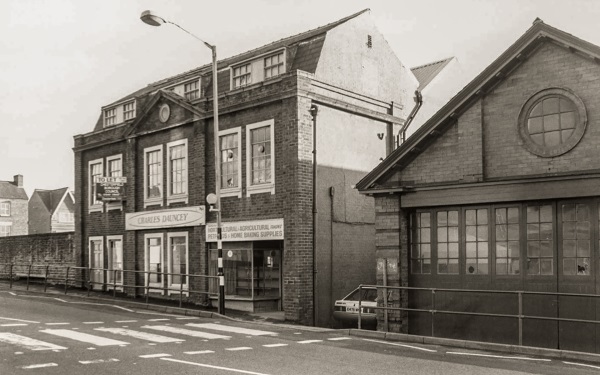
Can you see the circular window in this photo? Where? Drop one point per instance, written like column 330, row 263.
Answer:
column 552, row 122
column 164, row 112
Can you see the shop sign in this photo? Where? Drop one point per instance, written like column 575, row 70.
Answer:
column 110, row 189
column 176, row 217
column 256, row 230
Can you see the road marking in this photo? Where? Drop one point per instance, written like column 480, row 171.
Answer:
column 158, row 320
column 339, row 338
column 13, row 325
column 160, row 355
column 139, row 335
column 18, row 320
column 125, row 321
column 308, row 341
column 99, row 361
column 200, row 352
column 403, row 345
column 26, row 342
column 187, row 332
column 188, row 318
column 84, row 337
column 219, row 327
column 93, row 322
column 57, row 324
column 274, row 345
column 500, row 356
column 61, row 300
column 40, row 365
column 581, row 364
column 12, row 293
column 239, row 348
column 215, row 367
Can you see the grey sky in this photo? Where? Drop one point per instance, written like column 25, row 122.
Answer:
column 61, row 60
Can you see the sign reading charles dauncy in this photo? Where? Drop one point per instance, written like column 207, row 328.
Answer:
column 256, row 230
column 176, row 217
column 110, row 189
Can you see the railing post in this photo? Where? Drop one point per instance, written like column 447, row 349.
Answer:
column 28, row 275
column 67, row 279
column 148, row 274
column 46, row 277
column 114, row 283
column 359, row 306
column 90, row 285
column 180, row 291
column 385, row 299
column 520, row 318
column 10, row 275
column 432, row 312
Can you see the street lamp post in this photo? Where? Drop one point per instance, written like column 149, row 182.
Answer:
column 215, row 201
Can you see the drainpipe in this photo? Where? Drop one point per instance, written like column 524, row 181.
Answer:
column 313, row 112
column 413, row 113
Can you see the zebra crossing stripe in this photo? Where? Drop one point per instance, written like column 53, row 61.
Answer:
column 41, row 365
column 187, row 332
column 26, row 342
column 84, row 337
column 139, row 335
column 219, row 327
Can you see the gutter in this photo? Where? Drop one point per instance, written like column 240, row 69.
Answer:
column 413, row 113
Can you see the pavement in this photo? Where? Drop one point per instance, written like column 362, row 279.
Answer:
column 277, row 318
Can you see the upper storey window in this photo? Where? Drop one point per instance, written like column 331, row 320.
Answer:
column 274, row 65
column 242, row 75
column 119, row 113
column 110, row 117
column 4, row 208
column 552, row 122
column 129, row 110
column 191, row 90
column 260, row 158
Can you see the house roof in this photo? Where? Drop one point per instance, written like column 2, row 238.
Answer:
column 537, row 34
column 52, row 198
column 285, row 42
column 426, row 73
column 10, row 191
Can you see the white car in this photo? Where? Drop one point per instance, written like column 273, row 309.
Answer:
column 345, row 310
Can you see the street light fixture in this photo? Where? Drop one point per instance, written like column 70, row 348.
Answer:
column 215, row 201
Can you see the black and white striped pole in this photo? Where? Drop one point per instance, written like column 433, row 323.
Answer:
column 212, row 200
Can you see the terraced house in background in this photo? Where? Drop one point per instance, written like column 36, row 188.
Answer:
column 13, row 208
column 301, row 120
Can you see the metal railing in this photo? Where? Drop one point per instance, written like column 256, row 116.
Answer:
column 520, row 316
column 71, row 276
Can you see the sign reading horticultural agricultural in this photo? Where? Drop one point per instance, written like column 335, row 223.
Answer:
column 176, row 217
column 110, row 189
column 256, row 230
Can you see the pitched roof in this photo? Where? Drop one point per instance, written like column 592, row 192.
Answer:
column 426, row 73
column 537, row 34
column 52, row 198
column 10, row 191
column 206, row 69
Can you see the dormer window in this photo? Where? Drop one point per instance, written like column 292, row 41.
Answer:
column 242, row 75
column 129, row 111
column 274, row 65
column 191, row 91
column 110, row 117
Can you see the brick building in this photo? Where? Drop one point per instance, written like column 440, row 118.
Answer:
column 51, row 211
column 300, row 120
column 500, row 190
column 13, row 208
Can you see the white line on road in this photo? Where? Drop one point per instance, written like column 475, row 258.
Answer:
column 13, row 325
column 500, row 356
column 158, row 320
column 99, row 361
column 40, row 365
column 581, row 364
column 57, row 324
column 84, row 337
column 61, row 300
column 18, row 320
column 339, row 338
column 239, row 348
column 125, row 321
column 219, row 327
column 27, row 342
column 159, row 355
column 187, row 332
column 200, row 352
column 215, row 367
column 274, row 345
column 12, row 293
column 188, row 318
column 403, row 345
column 139, row 335
column 93, row 322
column 308, row 341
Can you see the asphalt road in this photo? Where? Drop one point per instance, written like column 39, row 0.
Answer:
column 62, row 335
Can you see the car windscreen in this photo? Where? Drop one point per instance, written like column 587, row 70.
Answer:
column 367, row 295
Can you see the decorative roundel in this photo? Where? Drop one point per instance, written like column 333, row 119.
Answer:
column 164, row 112
column 552, row 122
